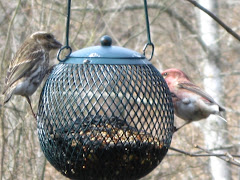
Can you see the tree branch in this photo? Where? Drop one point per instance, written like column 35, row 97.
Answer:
column 188, row 26
column 1, row 111
column 227, row 155
column 169, row 11
column 172, row 14
column 231, row 73
column 220, row 22
column 224, row 156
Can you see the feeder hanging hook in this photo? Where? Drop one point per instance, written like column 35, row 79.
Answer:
column 67, row 36
column 148, row 33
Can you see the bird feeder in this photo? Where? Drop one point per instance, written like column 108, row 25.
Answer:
column 105, row 113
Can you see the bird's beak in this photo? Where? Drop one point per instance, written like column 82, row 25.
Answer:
column 56, row 44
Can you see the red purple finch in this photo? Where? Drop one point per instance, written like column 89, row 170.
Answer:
column 190, row 102
column 29, row 66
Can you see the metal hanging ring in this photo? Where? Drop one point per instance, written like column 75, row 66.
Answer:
column 145, row 47
column 148, row 32
column 67, row 36
column 67, row 56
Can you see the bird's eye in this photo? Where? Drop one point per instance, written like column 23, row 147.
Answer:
column 165, row 74
column 48, row 36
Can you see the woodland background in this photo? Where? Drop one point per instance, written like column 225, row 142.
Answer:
column 177, row 32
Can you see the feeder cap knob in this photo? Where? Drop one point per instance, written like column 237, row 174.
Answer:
column 106, row 40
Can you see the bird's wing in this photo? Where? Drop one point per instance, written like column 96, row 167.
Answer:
column 25, row 59
column 193, row 88
column 175, row 98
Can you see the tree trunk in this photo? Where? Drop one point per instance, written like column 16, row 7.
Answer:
column 215, row 129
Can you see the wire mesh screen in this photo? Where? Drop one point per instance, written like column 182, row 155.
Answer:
column 105, row 121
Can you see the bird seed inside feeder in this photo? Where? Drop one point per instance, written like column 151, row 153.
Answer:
column 120, row 146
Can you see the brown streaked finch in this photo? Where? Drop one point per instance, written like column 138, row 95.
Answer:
column 29, row 66
column 190, row 102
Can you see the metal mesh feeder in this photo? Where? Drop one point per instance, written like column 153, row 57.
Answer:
column 105, row 113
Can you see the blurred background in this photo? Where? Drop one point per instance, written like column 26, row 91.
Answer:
column 183, row 39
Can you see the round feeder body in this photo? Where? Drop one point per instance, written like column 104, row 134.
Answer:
column 105, row 113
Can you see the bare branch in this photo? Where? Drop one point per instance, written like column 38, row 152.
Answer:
column 3, row 138
column 232, row 73
column 8, row 33
column 224, row 156
column 220, row 22
column 167, row 10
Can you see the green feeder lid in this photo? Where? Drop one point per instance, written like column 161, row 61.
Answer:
column 106, row 54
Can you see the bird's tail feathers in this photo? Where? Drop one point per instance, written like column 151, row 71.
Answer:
column 7, row 97
column 4, row 90
column 220, row 112
column 222, row 109
column 221, row 117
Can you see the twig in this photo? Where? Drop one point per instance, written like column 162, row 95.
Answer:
column 232, row 73
column 199, row 153
column 186, row 153
column 8, row 34
column 220, row 22
column 157, row 6
column 2, row 119
column 189, row 27
column 230, row 158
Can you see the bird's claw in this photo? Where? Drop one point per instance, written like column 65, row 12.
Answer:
column 175, row 129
